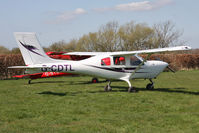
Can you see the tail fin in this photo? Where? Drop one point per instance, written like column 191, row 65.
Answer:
column 30, row 48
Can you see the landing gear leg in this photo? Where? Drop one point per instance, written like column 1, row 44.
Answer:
column 150, row 86
column 108, row 87
column 130, row 89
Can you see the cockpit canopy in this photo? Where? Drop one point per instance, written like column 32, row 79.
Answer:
column 120, row 60
column 133, row 60
column 106, row 61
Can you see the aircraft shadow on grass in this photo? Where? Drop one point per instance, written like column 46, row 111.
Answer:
column 60, row 93
column 51, row 82
column 114, row 89
column 67, row 82
column 121, row 89
column 52, row 93
column 173, row 90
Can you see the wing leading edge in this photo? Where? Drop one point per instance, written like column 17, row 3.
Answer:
column 158, row 50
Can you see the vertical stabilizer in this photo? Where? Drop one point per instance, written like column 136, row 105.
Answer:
column 30, row 48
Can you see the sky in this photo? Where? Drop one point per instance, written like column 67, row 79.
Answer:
column 57, row 20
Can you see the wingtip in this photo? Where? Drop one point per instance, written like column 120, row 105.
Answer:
column 186, row 47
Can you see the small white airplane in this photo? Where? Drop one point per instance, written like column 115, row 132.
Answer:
column 125, row 65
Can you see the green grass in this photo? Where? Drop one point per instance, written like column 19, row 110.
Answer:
column 71, row 104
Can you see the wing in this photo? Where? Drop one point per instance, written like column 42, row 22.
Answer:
column 86, row 53
column 158, row 50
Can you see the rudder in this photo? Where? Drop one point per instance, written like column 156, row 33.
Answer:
column 30, row 48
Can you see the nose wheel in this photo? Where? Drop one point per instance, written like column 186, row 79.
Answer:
column 150, row 86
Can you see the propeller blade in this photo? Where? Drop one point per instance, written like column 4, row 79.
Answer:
column 171, row 69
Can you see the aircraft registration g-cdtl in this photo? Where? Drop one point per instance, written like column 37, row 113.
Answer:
column 124, row 65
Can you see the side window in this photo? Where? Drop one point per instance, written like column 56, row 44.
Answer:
column 120, row 60
column 134, row 61
column 106, row 62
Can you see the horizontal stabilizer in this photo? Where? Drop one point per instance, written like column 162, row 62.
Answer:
column 27, row 67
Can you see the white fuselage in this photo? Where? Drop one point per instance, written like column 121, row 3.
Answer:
column 92, row 66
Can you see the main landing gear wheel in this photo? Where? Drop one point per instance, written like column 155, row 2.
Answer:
column 150, row 86
column 29, row 81
column 132, row 89
column 108, row 87
column 95, row 80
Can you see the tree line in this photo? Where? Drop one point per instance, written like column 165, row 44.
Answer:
column 114, row 37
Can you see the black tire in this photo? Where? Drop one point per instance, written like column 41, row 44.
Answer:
column 95, row 80
column 131, row 89
column 150, row 87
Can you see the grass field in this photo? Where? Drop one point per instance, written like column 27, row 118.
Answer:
column 71, row 104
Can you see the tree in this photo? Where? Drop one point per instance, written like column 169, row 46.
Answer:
column 15, row 51
column 131, row 36
column 71, row 46
column 135, row 36
column 88, row 42
column 166, row 34
column 4, row 50
column 57, row 46
column 108, row 37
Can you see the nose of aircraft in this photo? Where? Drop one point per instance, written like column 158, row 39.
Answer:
column 161, row 65
column 155, row 67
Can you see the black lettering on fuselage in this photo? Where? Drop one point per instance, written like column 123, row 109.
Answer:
column 53, row 68
column 57, row 68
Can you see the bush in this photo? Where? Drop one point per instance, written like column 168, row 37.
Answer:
column 179, row 61
column 10, row 60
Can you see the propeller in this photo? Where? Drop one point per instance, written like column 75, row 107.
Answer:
column 171, row 69
column 168, row 67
